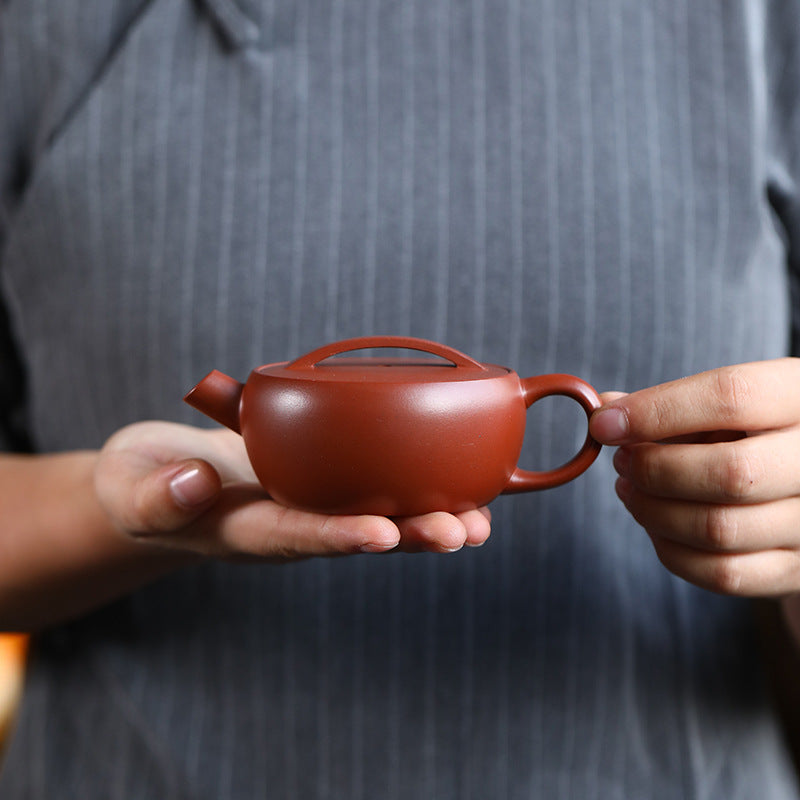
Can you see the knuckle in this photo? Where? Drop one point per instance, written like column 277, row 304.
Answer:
column 662, row 412
column 330, row 535
column 132, row 435
column 281, row 544
column 720, row 529
column 739, row 473
column 726, row 575
column 733, row 393
column 142, row 519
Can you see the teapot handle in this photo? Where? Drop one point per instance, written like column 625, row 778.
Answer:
column 459, row 359
column 568, row 386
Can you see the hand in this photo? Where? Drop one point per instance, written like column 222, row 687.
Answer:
column 710, row 466
column 194, row 490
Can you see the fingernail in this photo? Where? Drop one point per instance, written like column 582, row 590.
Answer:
column 192, row 488
column 377, row 547
column 622, row 461
column 610, row 425
column 624, row 489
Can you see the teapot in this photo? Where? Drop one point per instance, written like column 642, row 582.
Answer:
column 389, row 436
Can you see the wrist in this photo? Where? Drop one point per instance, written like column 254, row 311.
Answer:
column 62, row 554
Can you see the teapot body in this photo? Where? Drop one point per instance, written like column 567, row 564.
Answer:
column 372, row 447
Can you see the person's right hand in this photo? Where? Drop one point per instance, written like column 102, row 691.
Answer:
column 193, row 490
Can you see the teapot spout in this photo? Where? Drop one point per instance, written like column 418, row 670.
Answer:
column 218, row 397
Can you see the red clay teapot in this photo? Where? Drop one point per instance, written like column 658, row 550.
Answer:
column 389, row 436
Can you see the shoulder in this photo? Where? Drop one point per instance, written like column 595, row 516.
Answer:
column 50, row 53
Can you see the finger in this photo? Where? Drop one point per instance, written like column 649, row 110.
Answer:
column 478, row 524
column 145, row 499
column 746, row 397
column 715, row 528
column 755, row 469
column 444, row 533
column 770, row 573
column 437, row 532
column 246, row 524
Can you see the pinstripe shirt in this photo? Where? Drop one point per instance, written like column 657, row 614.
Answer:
column 605, row 188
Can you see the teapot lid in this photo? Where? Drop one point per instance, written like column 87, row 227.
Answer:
column 313, row 365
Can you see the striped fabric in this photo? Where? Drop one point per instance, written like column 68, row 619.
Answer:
column 605, row 188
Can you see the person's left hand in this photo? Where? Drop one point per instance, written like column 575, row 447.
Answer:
column 709, row 465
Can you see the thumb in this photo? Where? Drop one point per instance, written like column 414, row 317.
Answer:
column 605, row 423
column 145, row 499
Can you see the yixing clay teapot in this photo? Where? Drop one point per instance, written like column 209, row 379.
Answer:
column 389, row 436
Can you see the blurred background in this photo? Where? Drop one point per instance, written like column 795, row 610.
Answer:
column 13, row 650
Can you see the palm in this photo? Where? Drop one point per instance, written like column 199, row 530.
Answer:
column 242, row 522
